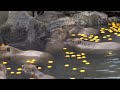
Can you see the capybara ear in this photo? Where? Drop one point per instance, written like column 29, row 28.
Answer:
column 37, row 66
column 0, row 43
column 8, row 49
column 6, row 44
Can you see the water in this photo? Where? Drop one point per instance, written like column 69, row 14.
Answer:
column 100, row 67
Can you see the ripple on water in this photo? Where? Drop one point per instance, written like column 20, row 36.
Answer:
column 104, row 70
column 117, row 77
column 112, row 65
column 112, row 71
column 116, row 62
column 112, row 59
column 113, row 78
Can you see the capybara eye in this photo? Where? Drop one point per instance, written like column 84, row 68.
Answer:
column 8, row 49
column 37, row 66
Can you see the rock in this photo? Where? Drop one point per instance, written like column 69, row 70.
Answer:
column 49, row 16
column 66, row 23
column 70, row 13
column 3, row 17
column 112, row 13
column 103, row 17
column 21, row 27
column 89, row 18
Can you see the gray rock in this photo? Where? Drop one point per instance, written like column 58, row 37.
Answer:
column 49, row 16
column 65, row 22
column 21, row 27
column 70, row 13
column 90, row 18
column 103, row 17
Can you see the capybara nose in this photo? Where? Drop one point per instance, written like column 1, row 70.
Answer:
column 22, row 66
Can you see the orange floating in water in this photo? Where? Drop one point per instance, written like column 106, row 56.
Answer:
column 74, row 68
column 12, row 72
column 64, row 48
column 18, row 72
column 66, row 65
column 113, row 24
column 49, row 66
column 72, row 78
column 117, row 24
column 82, row 53
column 73, row 55
column 109, row 38
column 67, row 52
column 82, row 71
column 72, row 34
column 87, row 63
column 8, row 68
column 39, row 68
column 78, row 57
column 67, row 56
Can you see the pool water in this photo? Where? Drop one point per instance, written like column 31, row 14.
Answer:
column 98, row 67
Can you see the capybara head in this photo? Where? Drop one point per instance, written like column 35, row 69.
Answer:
column 29, row 68
column 73, row 41
column 4, row 47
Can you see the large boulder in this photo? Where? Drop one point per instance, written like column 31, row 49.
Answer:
column 112, row 13
column 66, row 22
column 70, row 13
column 49, row 16
column 90, row 18
column 21, row 27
